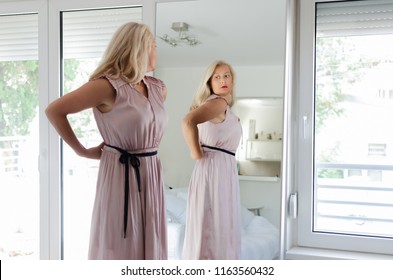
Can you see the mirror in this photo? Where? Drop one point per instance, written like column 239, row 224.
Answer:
column 250, row 35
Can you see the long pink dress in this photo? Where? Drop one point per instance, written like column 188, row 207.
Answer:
column 213, row 225
column 135, row 124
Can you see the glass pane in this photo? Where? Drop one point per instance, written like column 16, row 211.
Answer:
column 19, row 187
column 85, row 37
column 353, row 186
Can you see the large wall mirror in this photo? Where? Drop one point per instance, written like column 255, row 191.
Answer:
column 250, row 35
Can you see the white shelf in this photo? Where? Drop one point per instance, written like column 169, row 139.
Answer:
column 264, row 159
column 264, row 140
column 258, row 178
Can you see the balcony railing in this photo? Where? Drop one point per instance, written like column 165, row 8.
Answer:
column 359, row 204
column 11, row 150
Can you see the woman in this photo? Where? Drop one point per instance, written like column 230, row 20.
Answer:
column 128, row 219
column 212, row 133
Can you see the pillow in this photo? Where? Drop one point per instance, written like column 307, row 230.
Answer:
column 247, row 216
column 182, row 193
column 171, row 218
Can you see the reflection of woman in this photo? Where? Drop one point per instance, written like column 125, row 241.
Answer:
column 212, row 133
column 128, row 220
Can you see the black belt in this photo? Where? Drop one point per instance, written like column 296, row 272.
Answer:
column 126, row 158
column 219, row 149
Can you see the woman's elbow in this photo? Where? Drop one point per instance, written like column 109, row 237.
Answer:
column 186, row 123
column 49, row 111
column 54, row 113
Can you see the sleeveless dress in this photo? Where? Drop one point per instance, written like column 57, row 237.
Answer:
column 213, row 224
column 135, row 124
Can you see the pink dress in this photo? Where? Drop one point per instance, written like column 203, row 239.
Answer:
column 135, row 124
column 213, row 225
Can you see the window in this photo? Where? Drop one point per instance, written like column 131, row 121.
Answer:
column 19, row 187
column 346, row 60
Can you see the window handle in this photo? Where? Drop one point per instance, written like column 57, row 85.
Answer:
column 304, row 127
column 293, row 205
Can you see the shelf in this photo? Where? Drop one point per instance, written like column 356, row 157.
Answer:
column 264, row 140
column 258, row 178
column 264, row 159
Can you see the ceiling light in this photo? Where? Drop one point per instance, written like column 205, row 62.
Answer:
column 182, row 37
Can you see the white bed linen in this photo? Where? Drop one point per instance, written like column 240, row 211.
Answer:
column 260, row 238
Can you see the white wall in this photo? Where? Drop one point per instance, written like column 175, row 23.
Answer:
column 264, row 194
column 265, row 81
column 259, row 81
column 181, row 84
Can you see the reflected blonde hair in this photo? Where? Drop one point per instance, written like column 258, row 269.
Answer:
column 205, row 89
column 127, row 54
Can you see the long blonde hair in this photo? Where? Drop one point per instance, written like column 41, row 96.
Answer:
column 205, row 89
column 127, row 54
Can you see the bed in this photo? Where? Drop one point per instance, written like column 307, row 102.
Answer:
column 260, row 238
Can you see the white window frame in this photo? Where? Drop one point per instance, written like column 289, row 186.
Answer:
column 299, row 241
column 39, row 7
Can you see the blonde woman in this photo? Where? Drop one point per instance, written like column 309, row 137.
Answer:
column 128, row 220
column 212, row 133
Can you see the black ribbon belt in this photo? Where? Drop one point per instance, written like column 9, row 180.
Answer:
column 219, row 149
column 126, row 158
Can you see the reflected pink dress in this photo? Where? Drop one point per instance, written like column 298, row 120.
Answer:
column 135, row 124
column 213, row 225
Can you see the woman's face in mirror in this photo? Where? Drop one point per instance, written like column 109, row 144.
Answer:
column 221, row 81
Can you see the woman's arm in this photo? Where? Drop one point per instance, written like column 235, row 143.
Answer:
column 206, row 112
column 97, row 93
